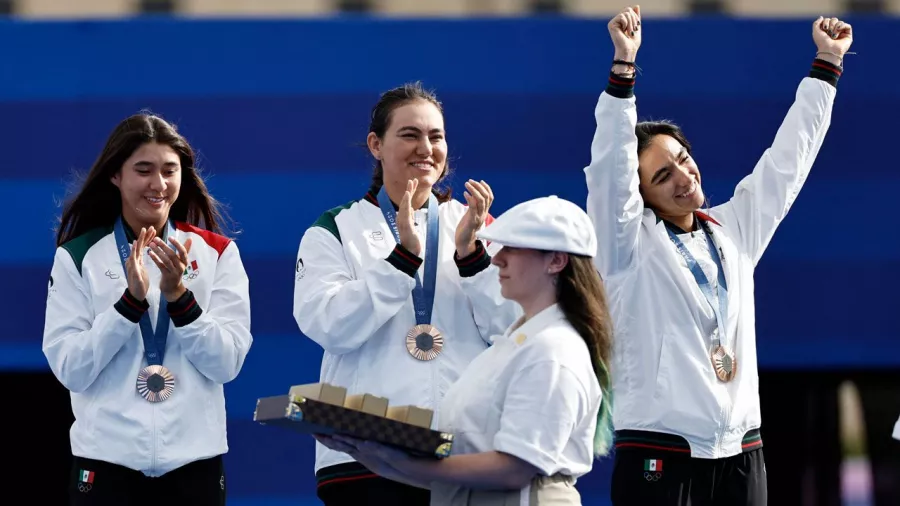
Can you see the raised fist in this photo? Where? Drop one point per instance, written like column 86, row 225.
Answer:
column 625, row 31
column 832, row 35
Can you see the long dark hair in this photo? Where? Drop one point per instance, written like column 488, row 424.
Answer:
column 97, row 202
column 582, row 298
column 381, row 120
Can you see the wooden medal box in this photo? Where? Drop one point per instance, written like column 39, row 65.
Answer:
column 320, row 408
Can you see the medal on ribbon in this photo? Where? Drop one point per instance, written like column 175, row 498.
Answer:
column 724, row 363
column 723, row 360
column 155, row 383
column 423, row 341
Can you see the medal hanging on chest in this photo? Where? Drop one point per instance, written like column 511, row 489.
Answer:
column 423, row 341
column 724, row 361
column 155, row 383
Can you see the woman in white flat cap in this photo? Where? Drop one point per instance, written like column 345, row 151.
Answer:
column 529, row 414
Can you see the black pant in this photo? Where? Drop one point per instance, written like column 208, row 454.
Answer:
column 352, row 484
column 658, row 470
column 802, row 431
column 98, row 483
column 879, row 393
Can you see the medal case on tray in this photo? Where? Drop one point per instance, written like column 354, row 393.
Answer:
column 320, row 408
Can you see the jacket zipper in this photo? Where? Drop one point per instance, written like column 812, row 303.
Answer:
column 153, row 440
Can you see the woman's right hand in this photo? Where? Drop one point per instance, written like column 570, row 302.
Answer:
column 138, row 280
column 405, row 220
column 625, row 31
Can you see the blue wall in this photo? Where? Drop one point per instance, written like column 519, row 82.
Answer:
column 278, row 111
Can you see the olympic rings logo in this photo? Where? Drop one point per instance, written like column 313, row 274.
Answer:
column 652, row 476
column 84, row 487
column 192, row 275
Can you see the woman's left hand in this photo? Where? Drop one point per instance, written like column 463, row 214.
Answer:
column 479, row 198
column 171, row 263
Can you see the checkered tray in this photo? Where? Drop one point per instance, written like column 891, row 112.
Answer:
column 310, row 416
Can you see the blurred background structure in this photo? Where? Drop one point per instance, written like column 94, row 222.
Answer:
column 439, row 8
column 276, row 96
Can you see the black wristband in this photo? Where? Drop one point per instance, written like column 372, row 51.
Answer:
column 404, row 260
column 826, row 71
column 474, row 262
column 130, row 307
column 620, row 86
column 184, row 310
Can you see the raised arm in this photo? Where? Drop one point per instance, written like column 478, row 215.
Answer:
column 763, row 198
column 614, row 201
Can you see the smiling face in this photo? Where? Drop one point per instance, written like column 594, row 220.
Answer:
column 670, row 179
column 149, row 183
column 413, row 146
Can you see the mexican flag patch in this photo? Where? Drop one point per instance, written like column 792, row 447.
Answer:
column 191, row 268
column 653, row 465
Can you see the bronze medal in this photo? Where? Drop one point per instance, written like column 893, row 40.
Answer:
column 155, row 383
column 724, row 362
column 424, row 342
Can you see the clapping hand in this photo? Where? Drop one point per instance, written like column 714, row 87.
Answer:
column 406, row 229
column 171, row 263
column 479, row 198
column 135, row 271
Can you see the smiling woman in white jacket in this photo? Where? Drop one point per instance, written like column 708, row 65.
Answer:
column 395, row 287
column 680, row 283
column 148, row 316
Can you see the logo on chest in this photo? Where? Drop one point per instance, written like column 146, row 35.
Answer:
column 301, row 269
column 191, row 271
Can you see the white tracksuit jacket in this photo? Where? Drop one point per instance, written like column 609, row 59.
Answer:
column 93, row 344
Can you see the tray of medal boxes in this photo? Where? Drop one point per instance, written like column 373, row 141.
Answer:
column 320, row 408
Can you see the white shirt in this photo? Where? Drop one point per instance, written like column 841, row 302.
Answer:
column 358, row 307
column 533, row 395
column 96, row 352
column 663, row 378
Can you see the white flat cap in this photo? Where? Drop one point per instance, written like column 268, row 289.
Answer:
column 546, row 223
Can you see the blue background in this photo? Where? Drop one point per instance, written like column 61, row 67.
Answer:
column 279, row 110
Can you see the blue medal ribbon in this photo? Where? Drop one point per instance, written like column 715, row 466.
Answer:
column 423, row 294
column 154, row 345
column 720, row 309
